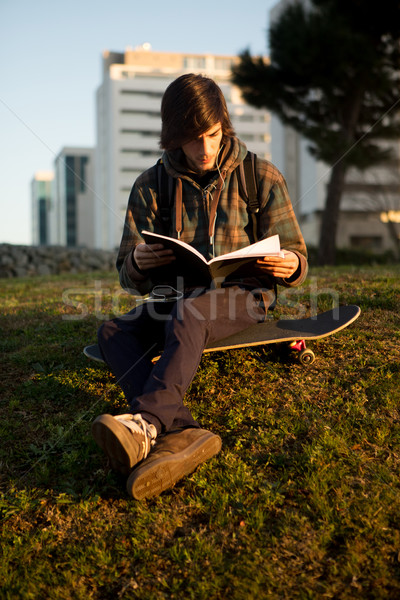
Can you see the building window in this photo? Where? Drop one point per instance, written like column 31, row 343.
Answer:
column 76, row 181
column 142, row 94
column 142, row 133
column 223, row 64
column 42, row 206
column 246, row 118
column 252, row 118
column 194, row 62
column 138, row 152
column 254, row 137
column 83, row 160
column 141, row 113
column 247, row 137
column 373, row 243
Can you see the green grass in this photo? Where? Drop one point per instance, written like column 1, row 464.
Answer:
column 303, row 501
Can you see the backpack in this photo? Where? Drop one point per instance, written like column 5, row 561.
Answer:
column 248, row 189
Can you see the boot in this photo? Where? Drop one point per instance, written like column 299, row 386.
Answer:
column 174, row 455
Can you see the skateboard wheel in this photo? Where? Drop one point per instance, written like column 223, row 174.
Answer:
column 306, row 357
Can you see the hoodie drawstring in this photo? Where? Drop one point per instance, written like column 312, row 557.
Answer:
column 178, row 207
column 213, row 211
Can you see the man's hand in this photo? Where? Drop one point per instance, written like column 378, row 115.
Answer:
column 150, row 256
column 279, row 267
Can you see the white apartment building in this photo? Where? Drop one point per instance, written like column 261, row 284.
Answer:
column 129, row 123
column 74, row 198
column 41, row 207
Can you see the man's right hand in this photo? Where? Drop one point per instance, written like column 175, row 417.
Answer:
column 150, row 256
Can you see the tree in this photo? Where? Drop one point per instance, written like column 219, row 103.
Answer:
column 334, row 77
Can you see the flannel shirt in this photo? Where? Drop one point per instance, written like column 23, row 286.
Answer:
column 232, row 226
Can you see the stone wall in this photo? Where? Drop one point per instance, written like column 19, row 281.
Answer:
column 27, row 261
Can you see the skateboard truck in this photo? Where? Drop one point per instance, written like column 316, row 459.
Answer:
column 298, row 348
column 305, row 355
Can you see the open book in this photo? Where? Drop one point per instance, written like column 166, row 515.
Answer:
column 193, row 267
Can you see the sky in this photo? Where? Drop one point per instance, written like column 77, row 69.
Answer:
column 50, row 69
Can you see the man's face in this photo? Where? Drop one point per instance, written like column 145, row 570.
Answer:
column 201, row 153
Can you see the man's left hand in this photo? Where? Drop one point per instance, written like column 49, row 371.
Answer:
column 283, row 268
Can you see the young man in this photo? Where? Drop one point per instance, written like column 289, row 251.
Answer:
column 159, row 441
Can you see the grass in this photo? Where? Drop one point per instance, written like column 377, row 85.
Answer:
column 303, row 501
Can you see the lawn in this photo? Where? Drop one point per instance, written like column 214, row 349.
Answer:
column 302, row 502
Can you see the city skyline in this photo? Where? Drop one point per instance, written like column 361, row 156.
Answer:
column 48, row 92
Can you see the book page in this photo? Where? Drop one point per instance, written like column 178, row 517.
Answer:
column 165, row 239
column 268, row 247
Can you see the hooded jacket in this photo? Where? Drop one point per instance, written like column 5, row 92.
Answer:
column 214, row 219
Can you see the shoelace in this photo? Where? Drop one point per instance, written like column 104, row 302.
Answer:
column 139, row 426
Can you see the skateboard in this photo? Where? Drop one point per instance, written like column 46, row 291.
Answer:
column 294, row 332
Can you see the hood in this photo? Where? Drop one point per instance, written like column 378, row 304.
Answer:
column 232, row 154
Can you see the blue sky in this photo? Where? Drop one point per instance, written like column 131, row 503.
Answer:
column 50, row 69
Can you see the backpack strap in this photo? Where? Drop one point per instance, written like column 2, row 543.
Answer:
column 250, row 177
column 248, row 188
column 166, row 193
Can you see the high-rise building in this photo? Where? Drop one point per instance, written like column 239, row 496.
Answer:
column 41, row 205
column 74, row 197
column 129, row 123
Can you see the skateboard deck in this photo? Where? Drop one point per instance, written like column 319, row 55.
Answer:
column 293, row 331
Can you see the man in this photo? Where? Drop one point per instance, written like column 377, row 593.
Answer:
column 159, row 441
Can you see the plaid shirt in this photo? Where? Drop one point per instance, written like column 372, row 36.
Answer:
column 232, row 226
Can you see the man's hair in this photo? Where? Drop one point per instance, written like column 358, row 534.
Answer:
column 191, row 105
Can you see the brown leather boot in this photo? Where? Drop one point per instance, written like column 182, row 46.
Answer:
column 174, row 455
